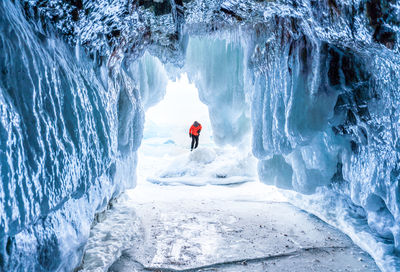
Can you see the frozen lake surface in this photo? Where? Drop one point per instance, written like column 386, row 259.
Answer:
column 207, row 229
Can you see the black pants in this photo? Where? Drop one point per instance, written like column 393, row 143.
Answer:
column 195, row 141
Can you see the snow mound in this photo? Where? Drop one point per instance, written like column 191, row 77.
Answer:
column 202, row 166
column 203, row 155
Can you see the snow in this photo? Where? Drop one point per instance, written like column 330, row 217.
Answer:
column 205, row 165
column 202, row 156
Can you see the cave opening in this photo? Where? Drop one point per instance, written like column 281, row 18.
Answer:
column 165, row 157
column 209, row 88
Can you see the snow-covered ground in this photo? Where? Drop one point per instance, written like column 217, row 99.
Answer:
column 219, row 223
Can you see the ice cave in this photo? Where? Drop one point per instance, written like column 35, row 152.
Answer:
column 298, row 164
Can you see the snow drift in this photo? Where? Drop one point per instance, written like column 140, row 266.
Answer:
column 204, row 165
column 320, row 79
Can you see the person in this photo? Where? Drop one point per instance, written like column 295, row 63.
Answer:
column 194, row 133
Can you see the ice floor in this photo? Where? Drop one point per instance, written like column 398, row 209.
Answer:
column 224, row 221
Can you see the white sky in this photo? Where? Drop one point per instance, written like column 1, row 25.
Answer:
column 178, row 110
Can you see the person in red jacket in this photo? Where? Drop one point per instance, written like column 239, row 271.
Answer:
column 194, row 133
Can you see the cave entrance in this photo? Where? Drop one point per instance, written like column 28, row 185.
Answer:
column 218, row 97
column 165, row 157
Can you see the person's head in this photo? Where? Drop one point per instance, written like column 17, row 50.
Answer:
column 196, row 123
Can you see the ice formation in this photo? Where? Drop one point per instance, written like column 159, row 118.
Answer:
column 223, row 94
column 69, row 130
column 320, row 79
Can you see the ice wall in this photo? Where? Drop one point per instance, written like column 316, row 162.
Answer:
column 326, row 115
column 151, row 78
column 293, row 103
column 69, row 129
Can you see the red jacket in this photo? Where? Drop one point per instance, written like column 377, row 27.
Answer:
column 195, row 129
